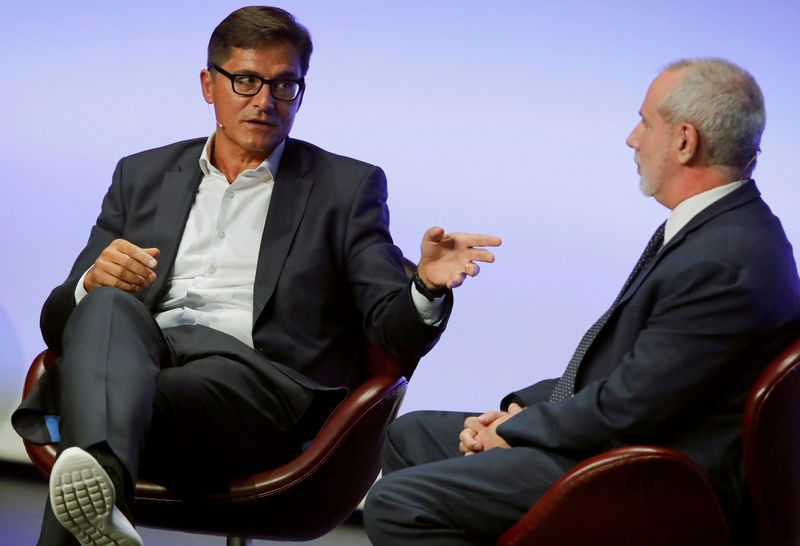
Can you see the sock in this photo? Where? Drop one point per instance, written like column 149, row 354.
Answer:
column 123, row 486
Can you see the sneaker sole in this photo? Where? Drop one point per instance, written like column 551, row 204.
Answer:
column 82, row 497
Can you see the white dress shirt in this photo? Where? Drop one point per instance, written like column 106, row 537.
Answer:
column 212, row 280
column 689, row 208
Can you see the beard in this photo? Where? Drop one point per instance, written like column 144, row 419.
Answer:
column 647, row 186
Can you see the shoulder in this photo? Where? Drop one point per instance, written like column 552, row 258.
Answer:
column 311, row 157
column 174, row 153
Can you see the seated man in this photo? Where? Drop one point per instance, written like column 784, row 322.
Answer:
column 670, row 363
column 219, row 311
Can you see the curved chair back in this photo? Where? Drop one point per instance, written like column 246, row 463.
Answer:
column 771, row 449
column 661, row 492
column 632, row 496
column 301, row 500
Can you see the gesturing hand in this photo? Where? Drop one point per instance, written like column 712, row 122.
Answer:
column 123, row 265
column 447, row 259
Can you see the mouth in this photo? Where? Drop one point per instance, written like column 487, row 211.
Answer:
column 261, row 122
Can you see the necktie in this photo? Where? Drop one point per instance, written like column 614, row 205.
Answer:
column 565, row 386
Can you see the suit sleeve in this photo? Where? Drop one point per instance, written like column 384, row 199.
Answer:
column 690, row 345
column 109, row 225
column 378, row 282
column 538, row 392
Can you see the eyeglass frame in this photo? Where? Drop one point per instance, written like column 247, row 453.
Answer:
column 264, row 81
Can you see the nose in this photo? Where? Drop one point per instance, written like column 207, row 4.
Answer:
column 262, row 99
column 632, row 141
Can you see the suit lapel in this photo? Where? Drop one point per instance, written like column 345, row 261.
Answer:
column 286, row 208
column 177, row 194
column 740, row 196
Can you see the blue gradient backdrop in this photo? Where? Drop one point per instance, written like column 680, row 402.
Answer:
column 505, row 117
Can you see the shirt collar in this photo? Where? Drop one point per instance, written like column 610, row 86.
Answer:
column 269, row 165
column 689, row 208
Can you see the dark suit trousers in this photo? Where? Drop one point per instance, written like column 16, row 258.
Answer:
column 188, row 407
column 431, row 494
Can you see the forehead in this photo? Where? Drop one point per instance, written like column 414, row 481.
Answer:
column 659, row 89
column 279, row 57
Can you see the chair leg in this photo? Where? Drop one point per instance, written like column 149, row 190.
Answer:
column 238, row 540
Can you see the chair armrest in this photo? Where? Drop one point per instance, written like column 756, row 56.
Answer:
column 344, row 429
column 42, row 456
column 631, row 495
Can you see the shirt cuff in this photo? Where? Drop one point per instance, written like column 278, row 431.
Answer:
column 80, row 291
column 431, row 312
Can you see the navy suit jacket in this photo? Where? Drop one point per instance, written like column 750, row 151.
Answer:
column 328, row 273
column 675, row 361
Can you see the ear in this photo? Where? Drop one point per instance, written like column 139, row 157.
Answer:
column 207, row 85
column 687, row 143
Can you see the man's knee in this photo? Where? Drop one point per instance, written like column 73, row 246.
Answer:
column 393, row 452
column 102, row 305
column 385, row 508
column 114, row 318
column 108, row 296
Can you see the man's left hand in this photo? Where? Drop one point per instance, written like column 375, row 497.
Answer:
column 480, row 432
column 447, row 259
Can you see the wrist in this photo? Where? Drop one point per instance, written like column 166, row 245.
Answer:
column 429, row 293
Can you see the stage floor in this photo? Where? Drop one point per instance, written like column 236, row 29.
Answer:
column 23, row 493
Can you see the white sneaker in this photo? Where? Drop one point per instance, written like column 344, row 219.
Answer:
column 82, row 497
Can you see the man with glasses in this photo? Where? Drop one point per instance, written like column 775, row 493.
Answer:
column 218, row 312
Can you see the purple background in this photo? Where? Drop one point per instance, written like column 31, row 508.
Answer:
column 507, row 117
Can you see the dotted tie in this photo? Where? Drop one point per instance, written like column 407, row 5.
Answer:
column 565, row 386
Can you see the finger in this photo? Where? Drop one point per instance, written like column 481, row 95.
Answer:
column 127, row 268
column 471, row 445
column 472, row 269
column 467, row 440
column 481, row 255
column 112, row 274
column 455, row 283
column 488, row 417
column 132, row 258
column 514, row 408
column 476, row 239
column 433, row 234
column 141, row 255
column 472, row 422
column 103, row 278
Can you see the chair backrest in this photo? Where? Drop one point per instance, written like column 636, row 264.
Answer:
column 331, row 476
column 771, row 449
column 42, row 456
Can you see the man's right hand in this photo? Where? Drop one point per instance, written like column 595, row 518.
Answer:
column 123, row 265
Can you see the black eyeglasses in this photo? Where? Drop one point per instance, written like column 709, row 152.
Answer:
column 249, row 85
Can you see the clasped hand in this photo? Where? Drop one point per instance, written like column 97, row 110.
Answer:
column 480, row 431
column 447, row 259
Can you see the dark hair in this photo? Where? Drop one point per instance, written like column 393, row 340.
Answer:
column 256, row 26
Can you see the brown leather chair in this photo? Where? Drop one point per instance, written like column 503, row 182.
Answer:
column 653, row 496
column 301, row 500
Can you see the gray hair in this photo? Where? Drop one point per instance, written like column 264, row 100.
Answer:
column 725, row 105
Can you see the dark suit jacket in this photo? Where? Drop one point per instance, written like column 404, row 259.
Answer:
column 674, row 363
column 328, row 273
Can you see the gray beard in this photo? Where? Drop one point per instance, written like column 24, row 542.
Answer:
column 647, row 187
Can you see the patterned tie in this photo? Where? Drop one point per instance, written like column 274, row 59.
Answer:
column 565, row 386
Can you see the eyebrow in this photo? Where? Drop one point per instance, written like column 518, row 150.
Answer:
column 291, row 75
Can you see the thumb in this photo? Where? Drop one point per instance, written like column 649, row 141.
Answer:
column 434, row 234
